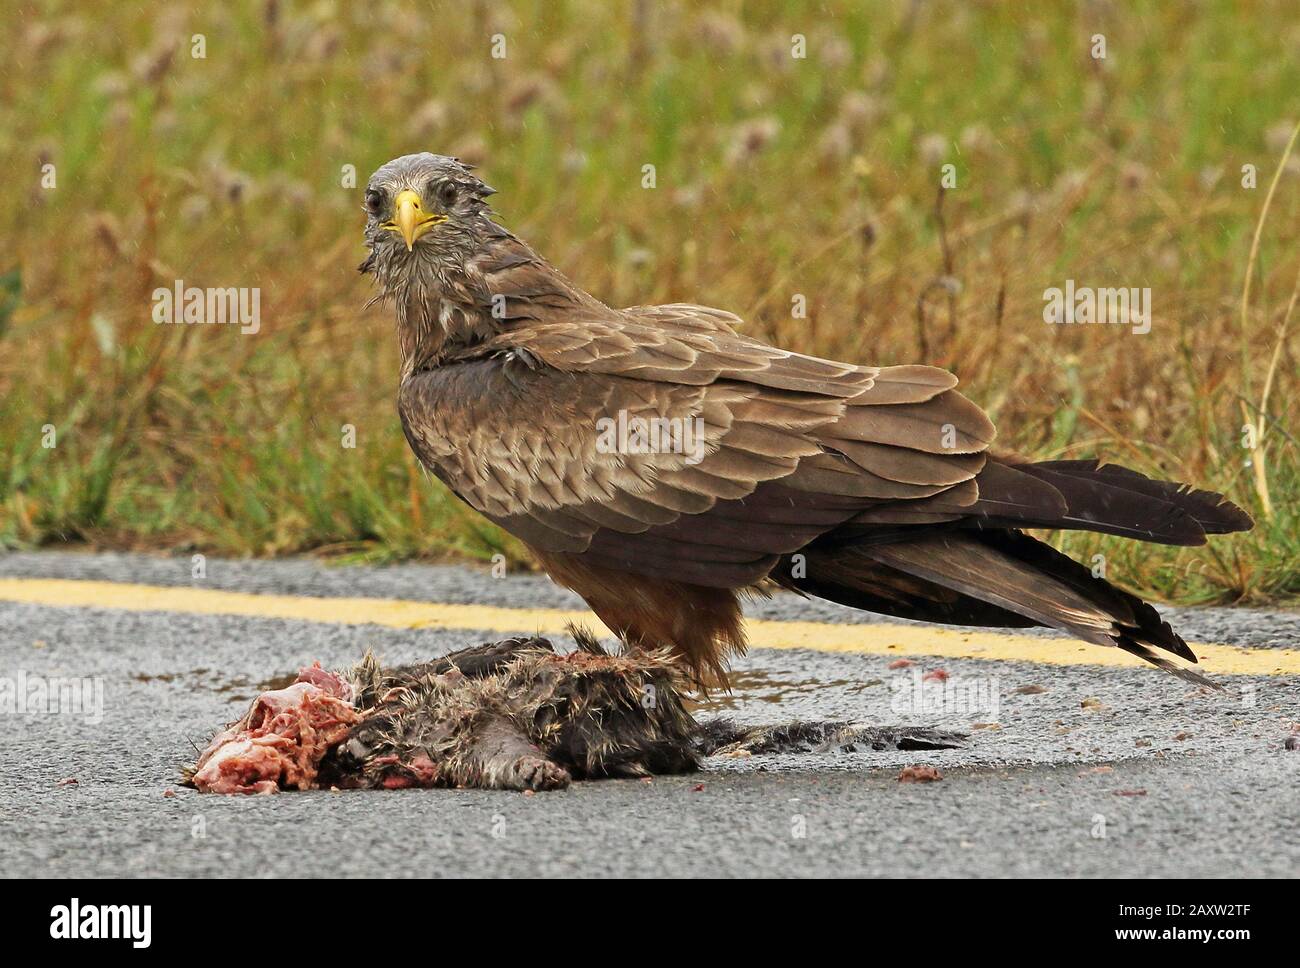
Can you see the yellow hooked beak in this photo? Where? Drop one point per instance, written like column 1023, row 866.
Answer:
column 410, row 219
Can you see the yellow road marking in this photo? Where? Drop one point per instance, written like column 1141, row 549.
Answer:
column 872, row 639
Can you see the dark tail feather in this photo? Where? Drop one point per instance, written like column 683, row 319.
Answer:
column 1126, row 609
column 1211, row 510
column 1071, row 495
column 955, row 576
column 1133, row 647
column 1109, row 499
column 845, row 574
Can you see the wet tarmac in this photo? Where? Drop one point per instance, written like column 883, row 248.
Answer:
column 1081, row 770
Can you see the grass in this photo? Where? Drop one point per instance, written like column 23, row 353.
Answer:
column 775, row 177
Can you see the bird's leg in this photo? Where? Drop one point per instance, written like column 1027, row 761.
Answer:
column 724, row 737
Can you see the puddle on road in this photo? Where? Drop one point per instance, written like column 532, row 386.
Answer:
column 756, row 685
column 239, row 689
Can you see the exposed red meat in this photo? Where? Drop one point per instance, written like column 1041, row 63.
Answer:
column 919, row 774
column 282, row 739
column 328, row 682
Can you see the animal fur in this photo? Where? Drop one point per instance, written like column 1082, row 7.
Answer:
column 515, row 715
column 511, row 715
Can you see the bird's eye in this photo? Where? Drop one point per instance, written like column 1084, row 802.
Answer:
column 374, row 201
column 446, row 194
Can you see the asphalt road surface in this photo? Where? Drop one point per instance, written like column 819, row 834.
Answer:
column 1070, row 770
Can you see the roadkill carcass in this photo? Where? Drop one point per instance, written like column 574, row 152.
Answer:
column 511, row 715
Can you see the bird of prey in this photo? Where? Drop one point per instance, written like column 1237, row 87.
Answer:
column 661, row 464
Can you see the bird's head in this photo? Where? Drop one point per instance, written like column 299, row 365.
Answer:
column 454, row 276
column 423, row 209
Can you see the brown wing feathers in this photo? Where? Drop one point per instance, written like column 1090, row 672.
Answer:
column 855, row 465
